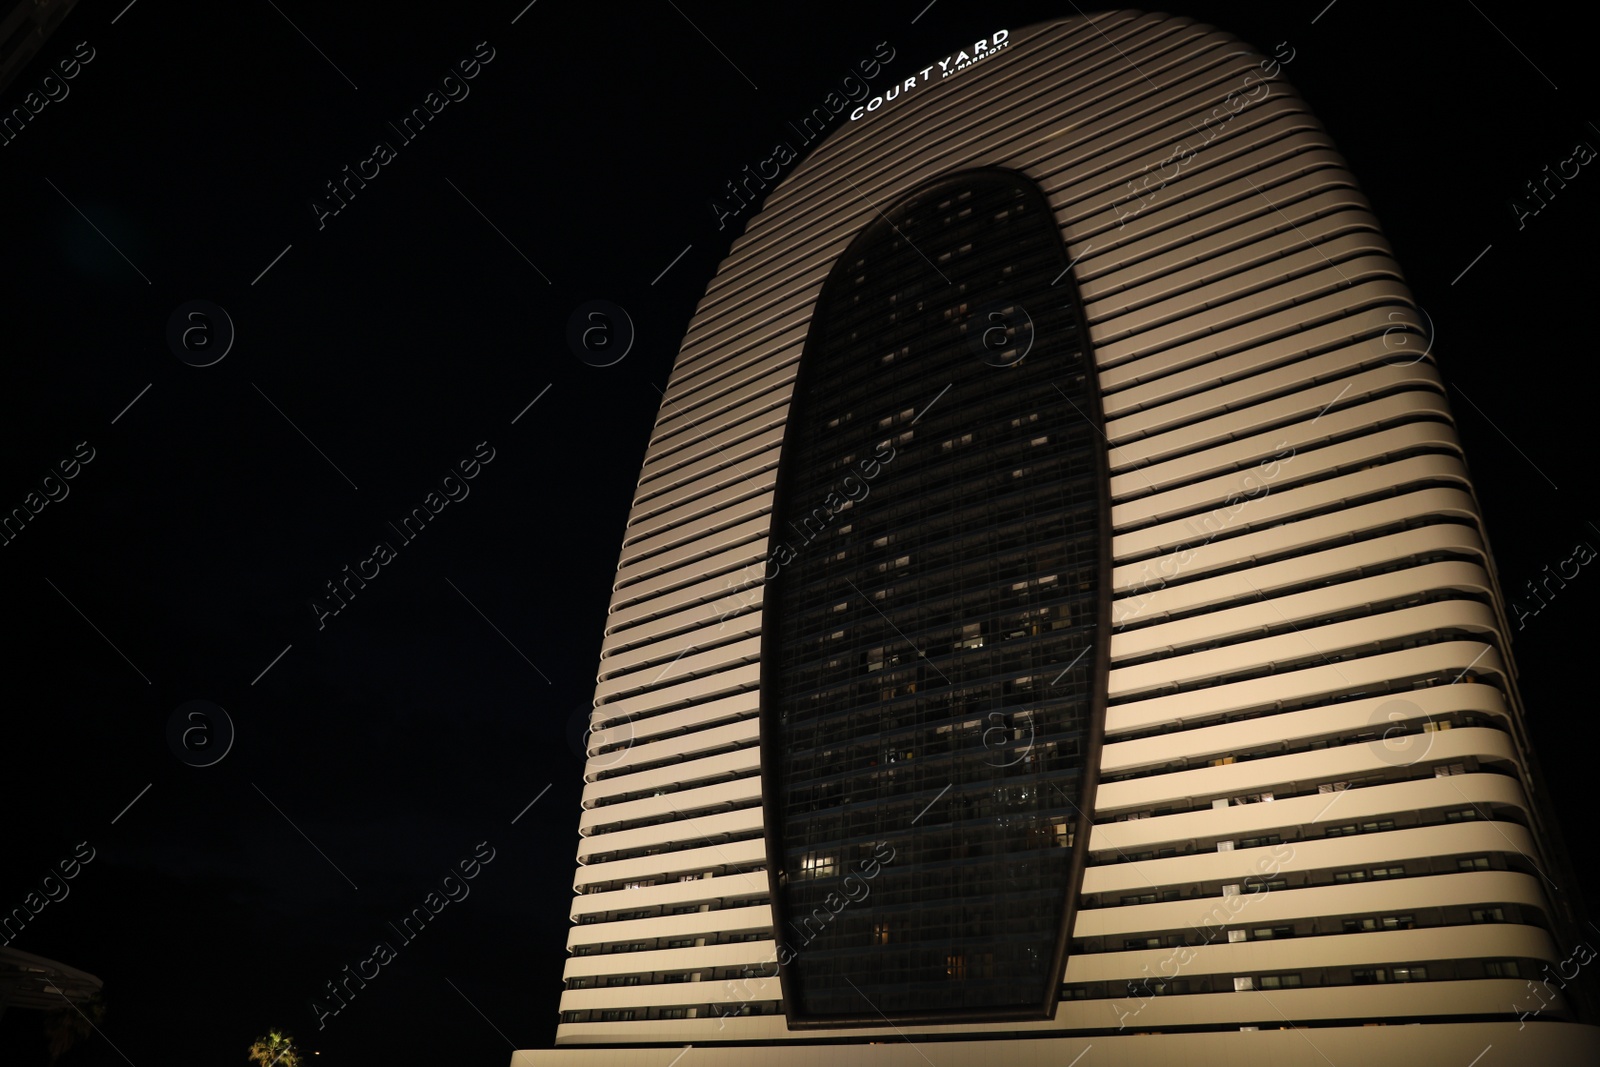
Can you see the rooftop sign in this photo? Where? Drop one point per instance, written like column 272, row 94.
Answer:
column 981, row 49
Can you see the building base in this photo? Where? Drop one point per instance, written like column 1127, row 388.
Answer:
column 1549, row 1044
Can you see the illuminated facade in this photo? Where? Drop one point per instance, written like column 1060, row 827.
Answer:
column 1058, row 441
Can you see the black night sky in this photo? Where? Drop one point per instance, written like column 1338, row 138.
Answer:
column 390, row 339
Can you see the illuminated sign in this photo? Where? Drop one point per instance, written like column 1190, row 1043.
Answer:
column 981, row 49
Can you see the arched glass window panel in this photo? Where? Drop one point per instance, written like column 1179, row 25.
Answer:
column 936, row 619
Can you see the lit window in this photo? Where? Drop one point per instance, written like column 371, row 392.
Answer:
column 816, row 865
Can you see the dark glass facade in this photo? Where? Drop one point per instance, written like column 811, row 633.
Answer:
column 932, row 692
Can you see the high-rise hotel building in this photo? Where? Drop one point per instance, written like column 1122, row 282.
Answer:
column 1055, row 618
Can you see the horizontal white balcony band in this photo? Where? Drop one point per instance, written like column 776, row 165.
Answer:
column 1296, row 535
column 1238, row 397
column 1163, row 232
column 733, row 523
column 1258, row 312
column 695, row 751
column 672, row 835
column 1231, row 262
column 1303, row 684
column 1268, row 508
column 725, row 683
column 714, row 889
column 1335, row 853
column 740, row 789
column 656, row 598
column 1350, row 717
column 1113, row 146
column 1307, row 952
column 723, row 442
column 688, row 665
column 1275, row 135
column 673, row 864
column 1149, row 598
column 1242, row 453
column 704, row 992
column 727, row 561
column 1123, row 270
column 721, row 512
column 704, row 751
column 1311, row 814
column 1153, row 381
column 1303, row 642
column 656, row 961
column 736, row 447
column 693, row 924
column 1434, row 1000
column 691, row 768
column 1394, row 896
column 638, row 734
column 1309, row 606
column 740, row 592
column 1282, row 466
column 684, row 426
column 717, row 625
column 763, row 354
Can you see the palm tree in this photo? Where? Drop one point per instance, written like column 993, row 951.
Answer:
column 275, row 1050
column 70, row 1025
